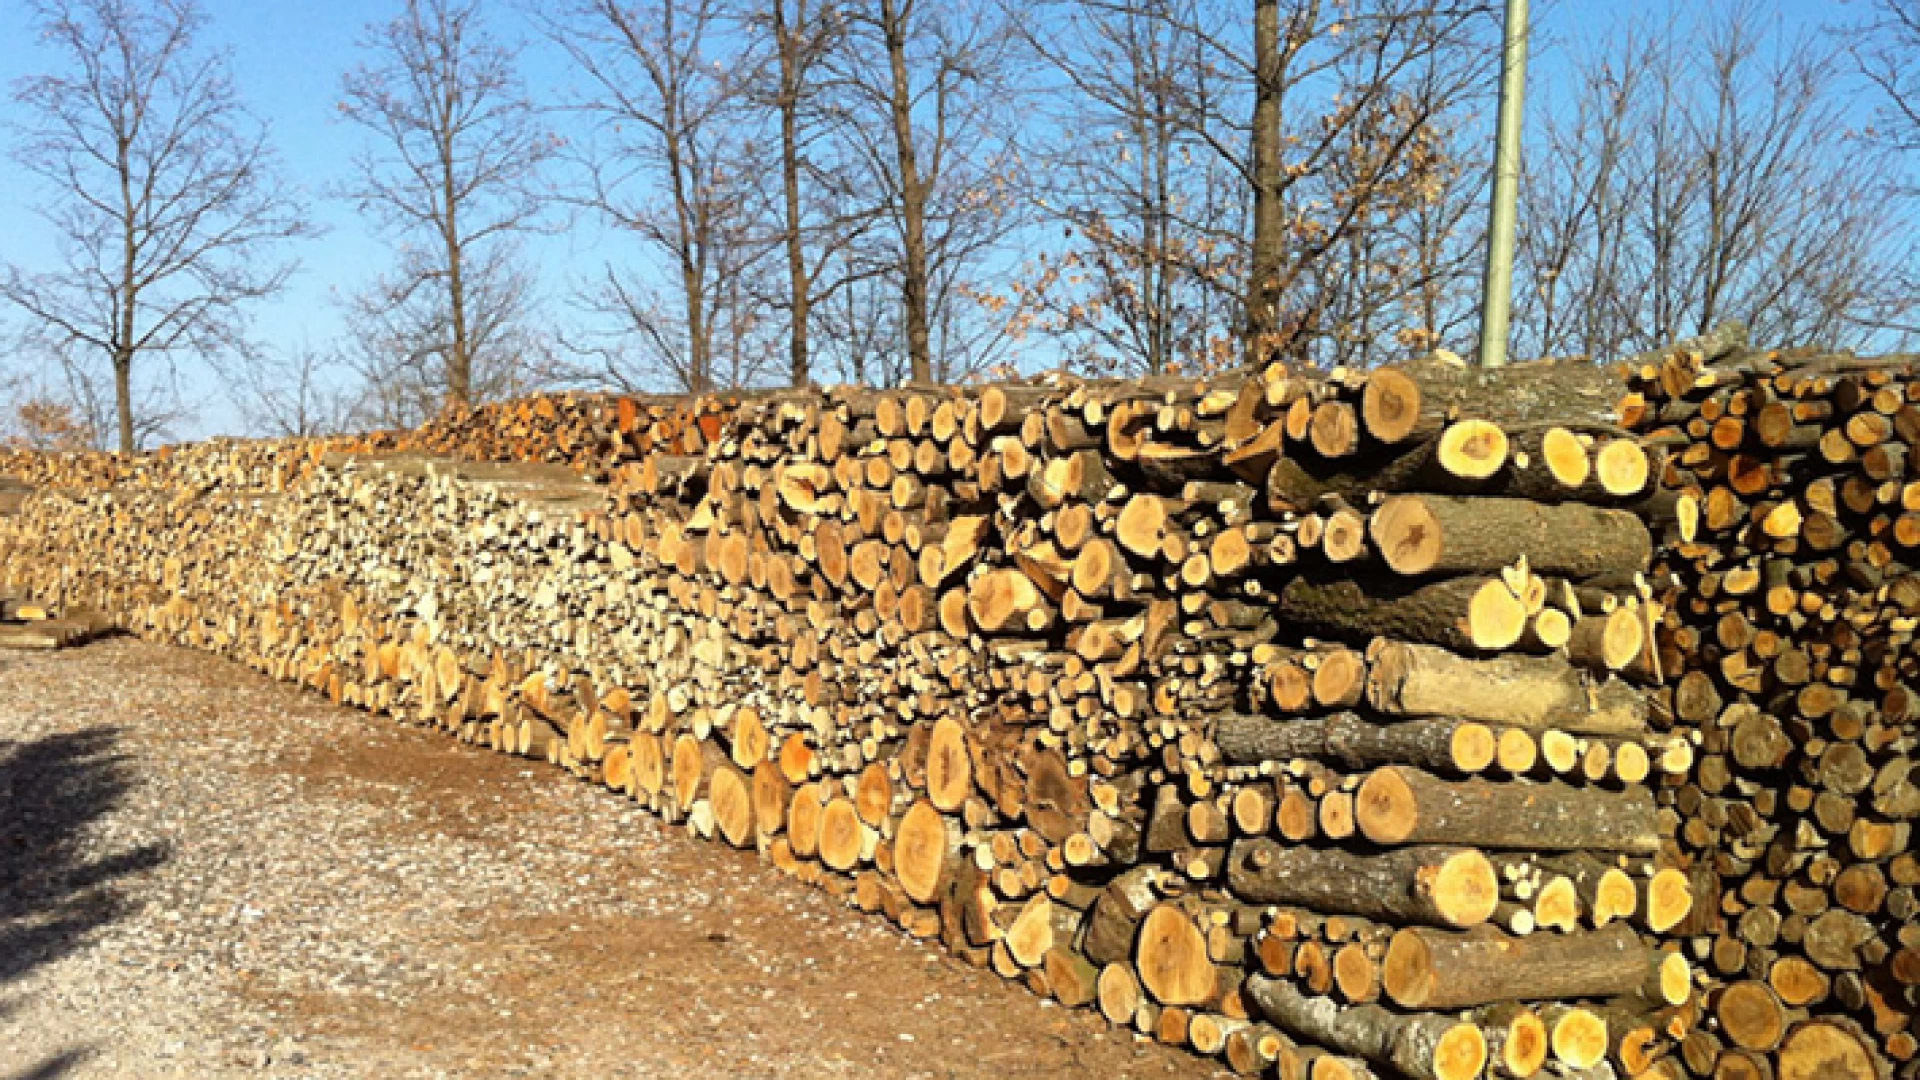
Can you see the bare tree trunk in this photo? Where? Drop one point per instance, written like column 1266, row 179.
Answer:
column 913, row 197
column 690, row 224
column 699, row 347
column 459, row 355
column 1264, row 271
column 123, row 395
column 123, row 348
column 801, row 287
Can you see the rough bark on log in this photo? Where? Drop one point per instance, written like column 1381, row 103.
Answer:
column 1465, row 613
column 1421, row 1047
column 1532, row 692
column 1438, row 969
column 1345, row 739
column 1453, row 887
column 1400, row 805
column 1425, row 534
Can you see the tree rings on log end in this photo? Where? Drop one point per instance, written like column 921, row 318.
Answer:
column 1473, row 449
column 949, row 767
column 1172, row 958
column 1386, row 807
column 1461, row 1051
column 1822, row 1051
column 1390, row 405
column 920, row 851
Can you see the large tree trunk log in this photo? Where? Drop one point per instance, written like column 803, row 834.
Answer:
column 1465, row 613
column 1172, row 957
column 1518, row 395
column 1531, row 692
column 1347, row 740
column 1399, row 805
column 1467, row 457
column 1824, row 1051
column 1433, row 885
column 1438, row 969
column 1422, row 1047
column 1422, row 534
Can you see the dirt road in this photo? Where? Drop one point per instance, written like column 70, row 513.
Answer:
column 204, row 873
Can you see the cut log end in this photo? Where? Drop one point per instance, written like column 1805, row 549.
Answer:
column 1824, row 1051
column 1473, row 449
column 1172, row 958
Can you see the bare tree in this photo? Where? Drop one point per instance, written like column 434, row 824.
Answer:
column 1258, row 163
column 801, row 37
column 162, row 191
column 824, row 222
column 928, row 96
column 1117, row 161
column 401, row 382
column 1327, row 79
column 298, row 394
column 1705, row 173
column 456, row 151
column 667, row 161
column 1887, row 50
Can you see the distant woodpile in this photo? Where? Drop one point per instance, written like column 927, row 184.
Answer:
column 1424, row 722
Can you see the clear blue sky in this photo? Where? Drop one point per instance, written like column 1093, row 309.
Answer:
column 288, row 59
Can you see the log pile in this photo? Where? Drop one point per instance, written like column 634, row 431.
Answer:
column 1791, row 595
column 1300, row 719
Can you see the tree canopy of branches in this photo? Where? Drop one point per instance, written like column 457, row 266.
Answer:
column 161, row 190
column 1238, row 183
column 1706, row 170
column 928, row 95
column 1888, row 52
column 452, row 168
column 666, row 161
column 1138, row 283
column 822, row 223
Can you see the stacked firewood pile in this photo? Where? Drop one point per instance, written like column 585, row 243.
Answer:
column 1791, row 598
column 592, row 434
column 1302, row 720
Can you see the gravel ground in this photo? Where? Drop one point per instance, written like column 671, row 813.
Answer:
column 204, row 873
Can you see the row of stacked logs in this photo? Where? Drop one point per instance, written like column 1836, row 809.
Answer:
column 1302, row 720
column 1791, row 595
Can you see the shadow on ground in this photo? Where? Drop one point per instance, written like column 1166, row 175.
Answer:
column 54, row 1067
column 54, row 889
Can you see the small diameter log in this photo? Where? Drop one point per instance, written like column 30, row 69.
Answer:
column 1422, row 1047
column 1578, row 1036
column 1669, row 900
column 1399, row 805
column 1437, row 969
column 1436, row 886
column 1427, row 534
column 1465, row 613
column 1516, row 1039
column 1532, row 692
column 1607, row 642
column 1345, row 739
column 1118, row 992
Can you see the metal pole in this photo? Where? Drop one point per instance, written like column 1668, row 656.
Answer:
column 1496, row 304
